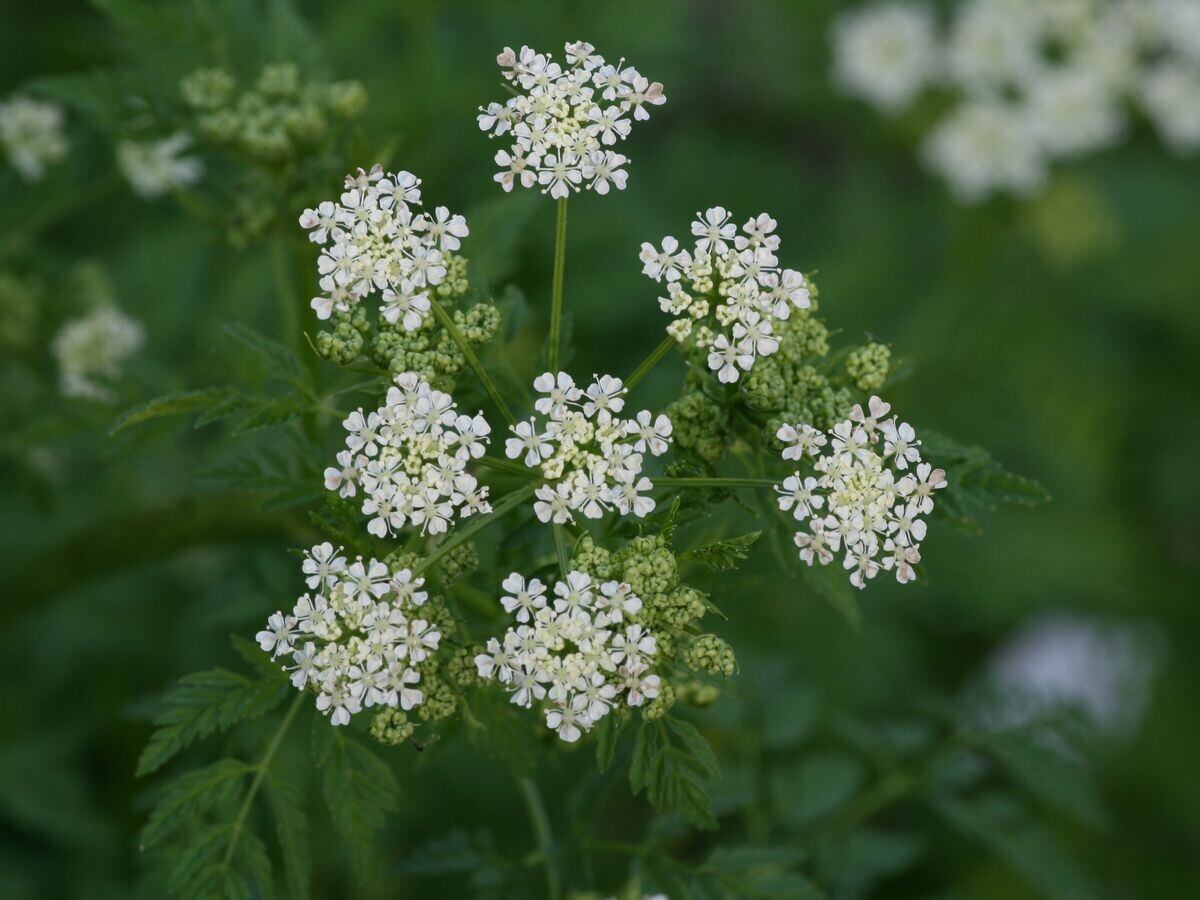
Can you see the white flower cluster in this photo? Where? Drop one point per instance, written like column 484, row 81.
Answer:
column 1034, row 81
column 374, row 239
column 31, row 134
column 726, row 292
column 154, row 168
column 567, row 119
column 868, row 494
column 355, row 637
column 90, row 350
column 574, row 651
column 410, row 459
column 590, row 457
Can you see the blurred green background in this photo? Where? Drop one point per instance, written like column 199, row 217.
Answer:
column 1063, row 334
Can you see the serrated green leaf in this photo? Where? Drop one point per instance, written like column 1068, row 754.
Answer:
column 205, row 702
column 723, row 555
column 291, row 826
column 361, row 791
column 672, row 763
column 752, row 873
column 1048, row 775
column 193, row 793
column 608, row 736
column 180, row 403
column 276, row 358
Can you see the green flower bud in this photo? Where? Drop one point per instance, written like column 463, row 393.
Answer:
column 697, row 693
column 460, row 561
column 867, row 366
column 346, row 99
column 440, row 700
column 709, row 654
column 700, row 426
column 660, row 705
column 206, row 88
column 279, row 80
column 461, row 670
column 391, row 727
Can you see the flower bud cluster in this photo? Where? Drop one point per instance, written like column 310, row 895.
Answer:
column 358, row 638
column 728, row 293
column 591, row 458
column 566, row 118
column 867, row 496
column 279, row 118
column 576, row 653
column 374, row 239
column 409, row 458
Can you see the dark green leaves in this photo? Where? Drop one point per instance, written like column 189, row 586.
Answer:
column 205, row 702
column 195, row 792
column 723, row 555
column 361, row 791
column 672, row 763
column 179, row 403
column 752, row 873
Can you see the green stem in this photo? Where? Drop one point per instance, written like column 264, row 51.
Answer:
column 260, row 772
column 649, row 363
column 507, row 465
column 718, row 482
column 541, row 831
column 447, row 322
column 556, row 291
column 560, row 547
column 480, row 522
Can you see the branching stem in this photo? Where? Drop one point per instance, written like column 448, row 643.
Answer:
column 556, row 291
column 447, row 322
column 650, row 362
column 541, row 831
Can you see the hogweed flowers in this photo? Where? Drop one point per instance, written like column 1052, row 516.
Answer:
column 573, row 651
column 409, row 458
column 356, row 639
column 728, row 290
column 91, row 349
column 154, row 168
column 566, row 120
column 590, row 457
column 31, row 135
column 375, row 239
column 868, row 494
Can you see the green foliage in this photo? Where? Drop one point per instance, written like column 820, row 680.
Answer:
column 204, row 703
column 723, row 555
column 976, row 482
column 214, row 787
column 292, row 829
column 361, row 791
column 672, row 763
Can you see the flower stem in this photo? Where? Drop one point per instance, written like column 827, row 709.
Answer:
column 556, row 291
column 464, row 534
column 717, row 482
column 289, row 320
column 541, row 831
column 260, row 772
column 560, row 547
column 447, row 322
column 649, row 363
column 507, row 465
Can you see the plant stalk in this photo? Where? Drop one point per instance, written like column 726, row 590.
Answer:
column 447, row 322
column 541, row 831
column 649, row 363
column 556, row 291
column 716, row 482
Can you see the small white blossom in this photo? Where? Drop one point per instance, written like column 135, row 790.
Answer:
column 886, row 54
column 90, row 350
column 31, row 135
column 155, row 168
column 565, row 120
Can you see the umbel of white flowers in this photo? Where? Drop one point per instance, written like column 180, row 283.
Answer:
column 154, row 168
column 31, row 135
column 867, row 496
column 590, row 457
column 1034, row 81
column 573, row 652
column 91, row 349
column 356, row 637
column 409, row 458
column 728, row 290
column 566, row 119
column 375, row 239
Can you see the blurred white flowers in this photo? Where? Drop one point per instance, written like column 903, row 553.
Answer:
column 90, row 350
column 31, row 135
column 154, row 168
column 567, row 120
column 1032, row 82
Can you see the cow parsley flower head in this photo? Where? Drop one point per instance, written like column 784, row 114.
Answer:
column 357, row 638
column 863, row 495
column 409, row 458
column 572, row 651
column 886, row 54
column 728, row 290
column 31, row 134
column 90, row 350
column 375, row 240
column 986, row 147
column 1170, row 93
column 591, row 458
column 567, row 119
column 155, row 168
